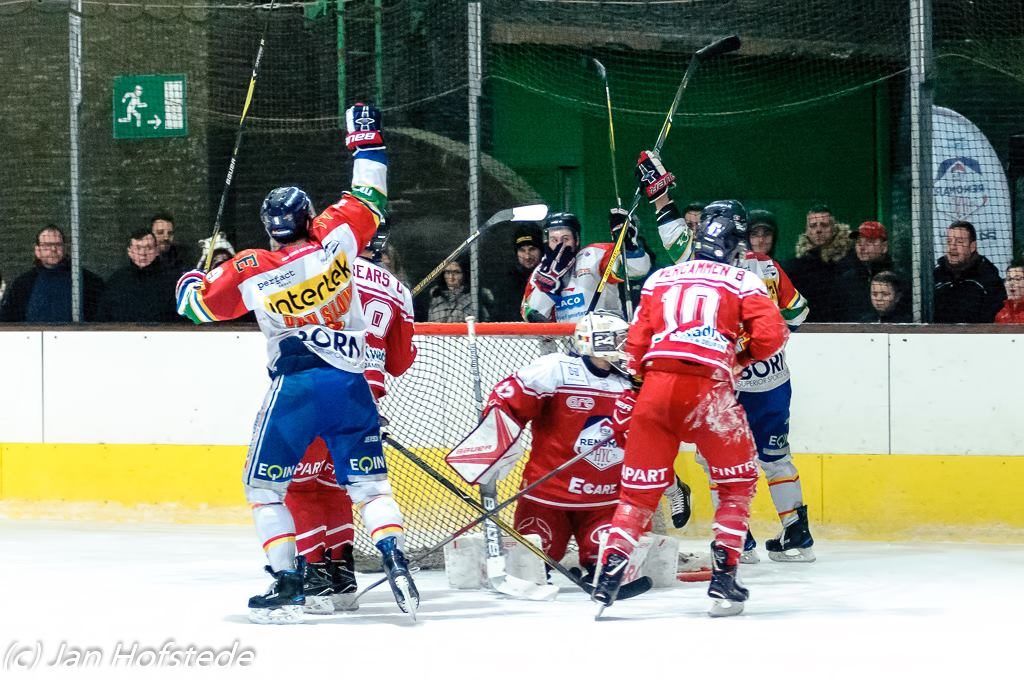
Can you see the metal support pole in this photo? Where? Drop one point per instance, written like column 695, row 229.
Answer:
column 475, row 33
column 339, row 23
column 921, row 180
column 378, row 52
column 74, row 186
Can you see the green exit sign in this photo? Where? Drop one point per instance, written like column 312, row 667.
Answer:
column 149, row 106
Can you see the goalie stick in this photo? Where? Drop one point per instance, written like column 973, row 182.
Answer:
column 522, row 213
column 628, row 590
column 721, row 46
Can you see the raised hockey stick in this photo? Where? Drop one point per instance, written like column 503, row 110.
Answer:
column 522, row 213
column 721, row 46
column 602, row 73
column 631, row 589
column 238, row 138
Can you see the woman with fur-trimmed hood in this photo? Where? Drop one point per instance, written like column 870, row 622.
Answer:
column 816, row 271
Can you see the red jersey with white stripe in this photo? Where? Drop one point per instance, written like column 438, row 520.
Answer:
column 388, row 313
column 694, row 312
column 302, row 294
column 569, row 402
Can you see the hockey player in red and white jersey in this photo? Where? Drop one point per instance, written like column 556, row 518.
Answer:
column 570, row 398
column 322, row 509
column 682, row 348
column 564, row 283
column 304, row 296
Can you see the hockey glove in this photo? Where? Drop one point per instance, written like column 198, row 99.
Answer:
column 652, row 176
column 188, row 281
column 363, row 123
column 617, row 219
column 622, row 414
column 548, row 276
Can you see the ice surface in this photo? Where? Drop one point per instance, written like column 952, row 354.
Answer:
column 863, row 610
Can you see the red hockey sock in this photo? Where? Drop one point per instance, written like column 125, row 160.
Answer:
column 303, row 500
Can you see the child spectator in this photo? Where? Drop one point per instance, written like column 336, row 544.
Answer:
column 1013, row 308
column 887, row 299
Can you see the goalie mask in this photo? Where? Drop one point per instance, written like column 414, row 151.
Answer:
column 602, row 335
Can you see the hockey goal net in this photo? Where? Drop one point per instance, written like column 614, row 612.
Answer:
column 432, row 408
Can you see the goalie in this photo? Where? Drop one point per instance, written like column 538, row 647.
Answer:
column 569, row 398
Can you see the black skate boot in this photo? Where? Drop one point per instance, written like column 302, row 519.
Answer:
column 342, row 572
column 609, row 580
column 283, row 602
column 795, row 541
column 397, row 570
column 749, row 554
column 725, row 590
column 317, row 587
column 678, row 496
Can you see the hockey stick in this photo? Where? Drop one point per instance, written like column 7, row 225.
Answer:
column 238, row 137
column 602, row 72
column 721, row 46
column 631, row 589
column 522, row 213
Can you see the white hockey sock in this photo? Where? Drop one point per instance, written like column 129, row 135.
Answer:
column 276, row 530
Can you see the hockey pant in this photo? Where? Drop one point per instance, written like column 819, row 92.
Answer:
column 768, row 415
column 299, row 407
column 556, row 525
column 321, row 509
column 675, row 407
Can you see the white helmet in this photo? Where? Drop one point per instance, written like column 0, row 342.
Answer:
column 602, row 335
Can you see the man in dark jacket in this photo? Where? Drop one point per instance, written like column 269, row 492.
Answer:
column 527, row 246
column 43, row 294
column 816, row 270
column 870, row 255
column 968, row 288
column 142, row 291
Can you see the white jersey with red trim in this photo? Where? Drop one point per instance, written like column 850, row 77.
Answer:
column 388, row 313
column 570, row 402
column 580, row 284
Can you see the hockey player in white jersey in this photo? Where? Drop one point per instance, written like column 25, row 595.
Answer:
column 763, row 388
column 562, row 286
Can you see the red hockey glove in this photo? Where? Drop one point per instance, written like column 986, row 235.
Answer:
column 363, row 122
column 622, row 414
column 617, row 218
column 652, row 176
column 548, row 277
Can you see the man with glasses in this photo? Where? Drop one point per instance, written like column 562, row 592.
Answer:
column 143, row 290
column 43, row 294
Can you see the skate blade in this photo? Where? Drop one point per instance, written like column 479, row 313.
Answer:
column 345, row 602
column 318, row 604
column 793, row 555
column 749, row 557
column 282, row 615
column 722, row 608
column 600, row 610
column 404, row 597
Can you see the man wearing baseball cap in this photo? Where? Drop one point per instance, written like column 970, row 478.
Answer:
column 869, row 257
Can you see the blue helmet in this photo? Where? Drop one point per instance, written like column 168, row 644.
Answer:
column 286, row 214
column 722, row 231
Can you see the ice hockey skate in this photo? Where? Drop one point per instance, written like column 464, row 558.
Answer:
column 678, row 496
column 795, row 542
column 609, row 579
column 317, row 589
column 725, row 590
column 397, row 570
column 283, row 602
column 342, row 574
column 749, row 555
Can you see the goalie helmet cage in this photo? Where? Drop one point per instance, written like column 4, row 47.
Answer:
column 432, row 408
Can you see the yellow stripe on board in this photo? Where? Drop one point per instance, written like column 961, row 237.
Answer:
column 876, row 497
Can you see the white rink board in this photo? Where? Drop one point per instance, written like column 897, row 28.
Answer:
column 153, row 388
column 950, row 394
column 957, row 394
column 840, row 393
column 21, row 388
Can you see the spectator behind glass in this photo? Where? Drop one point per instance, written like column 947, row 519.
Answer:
column 43, row 294
column 764, row 232
column 390, row 260
column 172, row 258
column 887, row 299
column 816, row 270
column 450, row 299
column 967, row 285
column 222, row 251
column 1013, row 308
column 870, row 256
column 527, row 246
column 143, row 290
